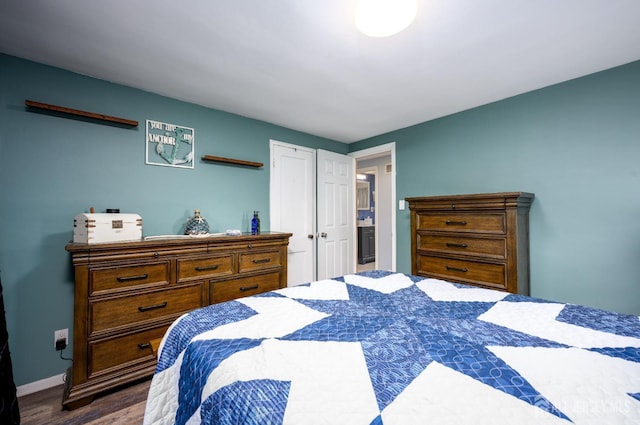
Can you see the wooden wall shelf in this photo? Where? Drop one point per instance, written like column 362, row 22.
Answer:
column 212, row 158
column 77, row 112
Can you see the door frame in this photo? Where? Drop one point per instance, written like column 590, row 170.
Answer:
column 380, row 150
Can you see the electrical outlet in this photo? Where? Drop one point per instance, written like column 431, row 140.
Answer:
column 61, row 334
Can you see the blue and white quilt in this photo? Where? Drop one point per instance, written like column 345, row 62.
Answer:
column 390, row 348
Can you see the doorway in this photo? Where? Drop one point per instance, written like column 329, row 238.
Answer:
column 366, row 223
column 380, row 162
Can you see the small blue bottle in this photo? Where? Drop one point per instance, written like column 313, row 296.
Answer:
column 255, row 223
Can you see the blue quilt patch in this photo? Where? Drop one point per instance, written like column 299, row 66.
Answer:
column 477, row 362
column 200, row 358
column 395, row 357
column 631, row 354
column 258, row 402
column 600, row 320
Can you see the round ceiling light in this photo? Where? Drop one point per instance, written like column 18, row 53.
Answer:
column 382, row 18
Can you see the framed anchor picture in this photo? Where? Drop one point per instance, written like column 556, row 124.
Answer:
column 169, row 145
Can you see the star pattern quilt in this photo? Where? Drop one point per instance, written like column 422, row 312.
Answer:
column 391, row 348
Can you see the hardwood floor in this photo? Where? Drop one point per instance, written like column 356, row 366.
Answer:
column 365, row 267
column 125, row 406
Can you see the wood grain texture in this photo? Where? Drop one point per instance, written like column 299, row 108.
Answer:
column 478, row 239
column 125, row 406
column 221, row 159
column 80, row 113
column 128, row 293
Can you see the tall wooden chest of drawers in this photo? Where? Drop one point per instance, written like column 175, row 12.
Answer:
column 128, row 293
column 479, row 239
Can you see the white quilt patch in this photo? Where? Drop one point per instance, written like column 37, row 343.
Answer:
column 565, row 376
column 276, row 317
column 455, row 399
column 320, row 290
column 162, row 401
column 440, row 290
column 330, row 383
column 385, row 285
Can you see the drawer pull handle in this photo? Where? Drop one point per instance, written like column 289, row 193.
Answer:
column 457, row 269
column 262, row 260
column 248, row 288
column 152, row 307
column 129, row 278
column 455, row 223
column 456, row 245
column 203, row 268
column 144, row 346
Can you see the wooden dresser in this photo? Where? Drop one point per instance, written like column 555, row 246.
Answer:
column 128, row 293
column 480, row 239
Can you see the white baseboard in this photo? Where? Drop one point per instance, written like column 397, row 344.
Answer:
column 40, row 385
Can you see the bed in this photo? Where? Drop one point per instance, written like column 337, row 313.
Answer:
column 391, row 348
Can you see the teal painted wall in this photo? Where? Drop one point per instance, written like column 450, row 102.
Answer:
column 53, row 168
column 575, row 145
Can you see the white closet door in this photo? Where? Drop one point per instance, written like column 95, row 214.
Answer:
column 292, row 207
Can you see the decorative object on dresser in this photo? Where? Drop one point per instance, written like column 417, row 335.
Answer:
column 478, row 239
column 106, row 227
column 196, row 225
column 127, row 294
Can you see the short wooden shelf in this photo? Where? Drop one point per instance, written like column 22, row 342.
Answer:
column 77, row 112
column 212, row 158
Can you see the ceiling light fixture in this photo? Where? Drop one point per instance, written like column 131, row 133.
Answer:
column 382, row 18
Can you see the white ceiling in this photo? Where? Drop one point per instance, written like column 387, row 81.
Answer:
column 302, row 64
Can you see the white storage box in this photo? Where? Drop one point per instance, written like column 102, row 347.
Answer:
column 106, row 227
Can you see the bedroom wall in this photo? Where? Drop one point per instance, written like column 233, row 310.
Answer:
column 53, row 168
column 575, row 145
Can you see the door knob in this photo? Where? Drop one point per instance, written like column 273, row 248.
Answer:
column 310, row 236
column 323, row 235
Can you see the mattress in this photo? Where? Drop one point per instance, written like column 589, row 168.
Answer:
column 391, row 348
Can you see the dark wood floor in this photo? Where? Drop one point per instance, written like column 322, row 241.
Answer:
column 125, row 406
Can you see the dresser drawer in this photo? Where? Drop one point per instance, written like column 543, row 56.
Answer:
column 202, row 267
column 485, row 247
column 134, row 309
column 461, row 222
column 237, row 288
column 259, row 260
column 122, row 351
column 123, row 278
column 487, row 274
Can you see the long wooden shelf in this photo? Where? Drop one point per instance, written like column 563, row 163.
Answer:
column 212, row 158
column 78, row 112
